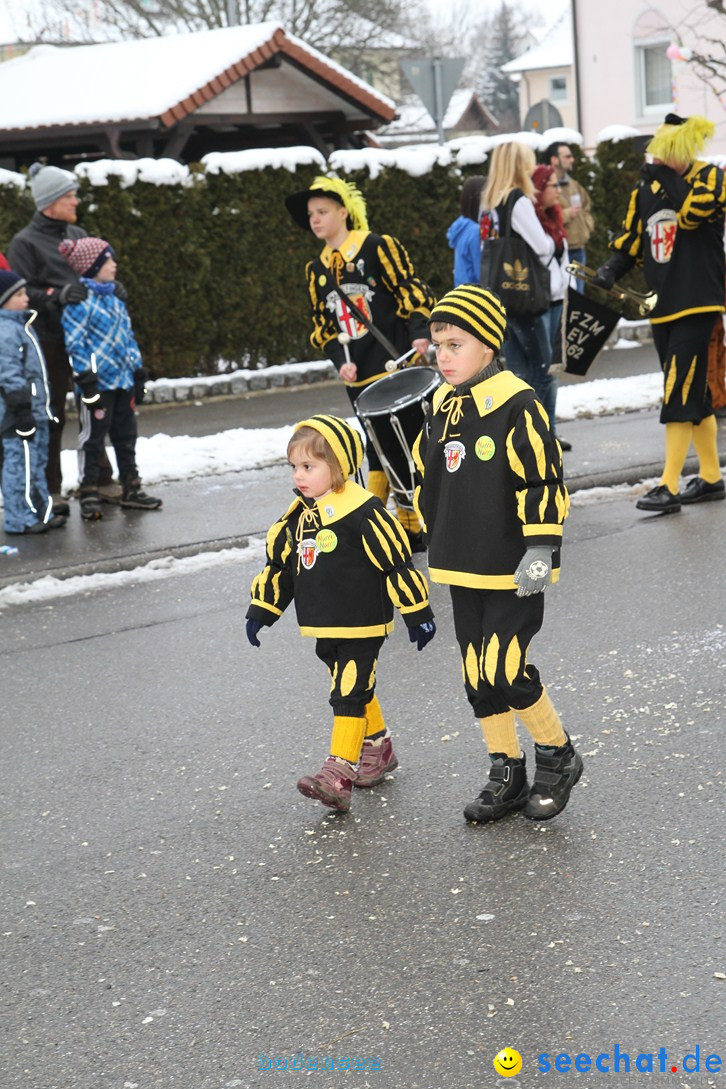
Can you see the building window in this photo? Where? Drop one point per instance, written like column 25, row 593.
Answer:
column 558, row 88
column 656, row 88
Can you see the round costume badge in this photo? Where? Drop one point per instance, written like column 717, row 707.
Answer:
column 322, row 280
column 326, row 540
column 485, row 447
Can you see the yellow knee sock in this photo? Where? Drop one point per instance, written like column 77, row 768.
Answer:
column 375, row 723
column 347, row 738
column 500, row 733
column 705, row 440
column 543, row 722
column 378, row 484
column 677, row 440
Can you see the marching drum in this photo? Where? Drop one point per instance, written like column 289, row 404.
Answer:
column 393, row 410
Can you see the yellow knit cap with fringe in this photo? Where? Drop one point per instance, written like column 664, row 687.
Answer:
column 351, row 197
column 681, row 143
column 344, row 441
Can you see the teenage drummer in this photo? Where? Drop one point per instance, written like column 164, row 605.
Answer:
column 361, row 275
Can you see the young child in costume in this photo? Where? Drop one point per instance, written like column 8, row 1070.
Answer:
column 25, row 410
column 108, row 373
column 493, row 503
column 346, row 562
column 375, row 273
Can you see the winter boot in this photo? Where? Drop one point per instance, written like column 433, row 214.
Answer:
column 333, row 784
column 91, row 505
column 376, row 760
column 506, row 790
column 134, row 497
column 556, row 773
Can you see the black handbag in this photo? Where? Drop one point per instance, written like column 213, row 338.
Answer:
column 511, row 268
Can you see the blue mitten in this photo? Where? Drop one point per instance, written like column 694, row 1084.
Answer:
column 421, row 634
column 253, row 627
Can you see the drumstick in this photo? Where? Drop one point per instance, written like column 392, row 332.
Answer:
column 393, row 364
column 344, row 339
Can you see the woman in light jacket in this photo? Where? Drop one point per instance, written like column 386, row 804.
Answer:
column 527, row 349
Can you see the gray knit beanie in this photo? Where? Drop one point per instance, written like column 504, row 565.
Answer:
column 48, row 183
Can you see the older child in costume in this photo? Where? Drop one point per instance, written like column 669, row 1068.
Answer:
column 109, row 376
column 346, row 562
column 493, row 503
column 375, row 273
column 675, row 225
column 25, row 410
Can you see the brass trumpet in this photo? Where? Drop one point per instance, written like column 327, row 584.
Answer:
column 627, row 299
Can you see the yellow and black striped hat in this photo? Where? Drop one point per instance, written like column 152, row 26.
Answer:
column 477, row 310
column 343, row 440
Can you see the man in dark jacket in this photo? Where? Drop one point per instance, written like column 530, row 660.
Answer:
column 51, row 285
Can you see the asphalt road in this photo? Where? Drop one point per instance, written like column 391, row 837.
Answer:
column 173, row 908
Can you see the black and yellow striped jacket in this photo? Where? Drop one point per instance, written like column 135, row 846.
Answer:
column 492, row 483
column 674, row 224
column 377, row 272
column 345, row 561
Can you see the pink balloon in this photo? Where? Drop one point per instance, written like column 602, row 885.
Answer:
column 673, row 52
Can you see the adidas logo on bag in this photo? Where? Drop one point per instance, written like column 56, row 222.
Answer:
column 519, row 274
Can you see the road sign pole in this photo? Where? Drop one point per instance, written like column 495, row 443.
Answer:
column 438, row 100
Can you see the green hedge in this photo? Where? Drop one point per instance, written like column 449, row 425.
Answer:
column 214, row 270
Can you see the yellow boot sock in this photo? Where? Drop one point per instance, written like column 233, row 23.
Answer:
column 408, row 519
column 378, row 485
column 677, row 440
column 705, row 440
column 375, row 723
column 500, row 734
column 543, row 722
column 347, row 738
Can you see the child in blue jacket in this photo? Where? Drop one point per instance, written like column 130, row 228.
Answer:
column 464, row 234
column 25, row 413
column 108, row 373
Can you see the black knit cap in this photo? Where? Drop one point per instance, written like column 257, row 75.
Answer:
column 477, row 310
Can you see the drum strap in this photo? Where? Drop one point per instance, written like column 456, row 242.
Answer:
column 361, row 318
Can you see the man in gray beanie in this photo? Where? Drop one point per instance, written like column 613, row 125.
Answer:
column 51, row 285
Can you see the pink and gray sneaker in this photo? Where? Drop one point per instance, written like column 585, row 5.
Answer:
column 375, row 763
column 333, row 785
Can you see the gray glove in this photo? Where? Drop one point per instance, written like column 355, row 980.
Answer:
column 534, row 571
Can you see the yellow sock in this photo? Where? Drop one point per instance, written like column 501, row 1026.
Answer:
column 347, row 738
column 500, row 733
column 677, row 440
column 378, row 484
column 375, row 723
column 705, row 440
column 408, row 519
column 543, row 722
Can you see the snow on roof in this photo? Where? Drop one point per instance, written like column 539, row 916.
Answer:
column 150, row 77
column 554, row 51
column 616, row 132
column 413, row 117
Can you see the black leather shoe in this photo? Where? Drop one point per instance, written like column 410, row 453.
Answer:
column 698, row 490
column 564, row 443
column 416, row 540
column 660, row 500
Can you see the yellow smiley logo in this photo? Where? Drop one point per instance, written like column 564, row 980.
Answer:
column 507, row 1062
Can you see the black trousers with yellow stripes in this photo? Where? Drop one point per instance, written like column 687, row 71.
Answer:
column 494, row 629
column 352, row 666
column 682, row 347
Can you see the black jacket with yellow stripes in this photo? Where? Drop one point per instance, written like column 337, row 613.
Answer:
column 675, row 225
column 346, row 562
column 492, row 483
column 376, row 271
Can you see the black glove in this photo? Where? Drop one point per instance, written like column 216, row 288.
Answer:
column 88, row 381
column 253, row 627
column 140, row 377
column 24, row 424
column 72, row 293
column 120, row 291
column 604, row 277
column 421, row 634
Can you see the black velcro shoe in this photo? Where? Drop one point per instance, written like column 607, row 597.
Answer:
column 506, row 790
column 557, row 771
column 660, row 500
column 698, row 490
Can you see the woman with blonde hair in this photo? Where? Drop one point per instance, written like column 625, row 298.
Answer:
column 527, row 349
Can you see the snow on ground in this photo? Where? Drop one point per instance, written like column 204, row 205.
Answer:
column 49, row 588
column 163, row 457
